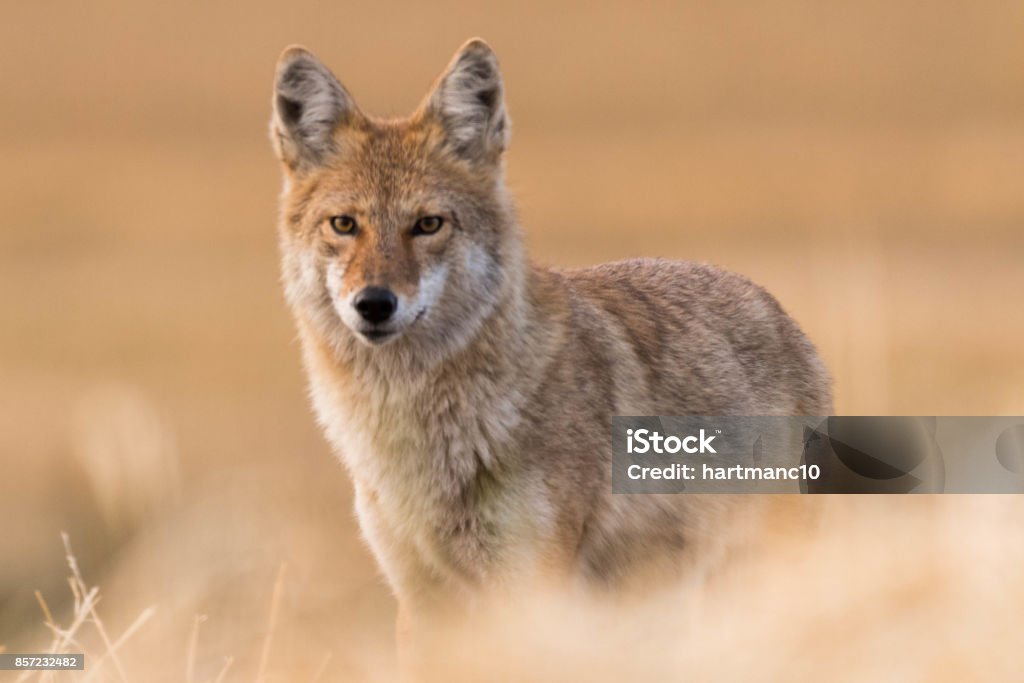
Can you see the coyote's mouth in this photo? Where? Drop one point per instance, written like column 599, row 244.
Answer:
column 379, row 335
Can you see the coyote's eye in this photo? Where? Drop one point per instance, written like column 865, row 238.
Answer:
column 343, row 225
column 427, row 225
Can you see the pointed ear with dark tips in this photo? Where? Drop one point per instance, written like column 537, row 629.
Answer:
column 469, row 102
column 309, row 106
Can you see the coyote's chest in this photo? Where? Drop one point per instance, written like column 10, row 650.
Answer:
column 437, row 491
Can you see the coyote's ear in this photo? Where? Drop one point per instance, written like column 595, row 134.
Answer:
column 309, row 105
column 469, row 102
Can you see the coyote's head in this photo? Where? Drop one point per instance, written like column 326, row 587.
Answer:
column 395, row 233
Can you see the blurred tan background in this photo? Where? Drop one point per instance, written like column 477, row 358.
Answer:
column 863, row 160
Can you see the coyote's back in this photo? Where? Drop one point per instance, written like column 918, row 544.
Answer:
column 470, row 393
column 704, row 341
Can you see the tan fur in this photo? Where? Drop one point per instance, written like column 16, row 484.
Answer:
column 478, row 436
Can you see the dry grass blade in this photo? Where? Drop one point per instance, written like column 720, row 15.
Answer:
column 275, row 601
column 228, row 661
column 94, row 617
column 193, row 645
column 46, row 609
column 84, row 603
column 111, row 652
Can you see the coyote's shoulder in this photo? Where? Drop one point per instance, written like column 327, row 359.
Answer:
column 469, row 392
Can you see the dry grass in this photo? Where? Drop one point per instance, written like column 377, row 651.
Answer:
column 105, row 662
column 907, row 590
column 102, row 664
column 916, row 588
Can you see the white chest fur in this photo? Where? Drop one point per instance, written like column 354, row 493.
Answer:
column 437, row 499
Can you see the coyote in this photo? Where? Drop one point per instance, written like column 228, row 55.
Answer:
column 470, row 393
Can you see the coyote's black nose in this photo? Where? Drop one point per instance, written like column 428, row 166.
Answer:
column 376, row 304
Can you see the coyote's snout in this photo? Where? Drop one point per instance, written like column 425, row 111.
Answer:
column 469, row 393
